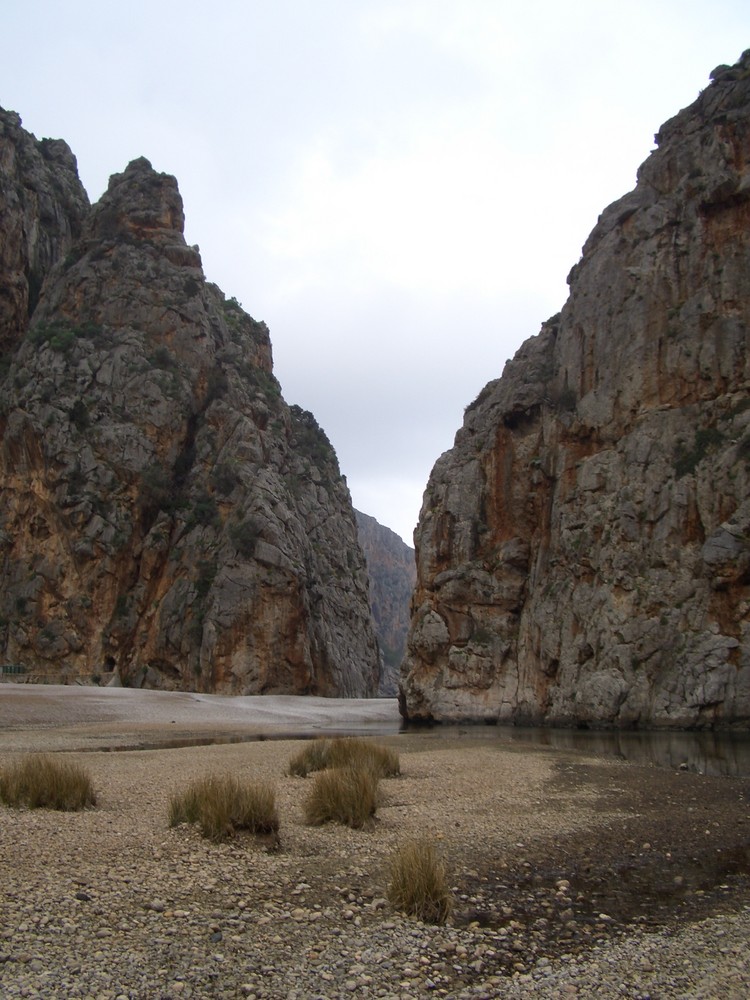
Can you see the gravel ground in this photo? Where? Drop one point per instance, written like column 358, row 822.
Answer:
column 573, row 876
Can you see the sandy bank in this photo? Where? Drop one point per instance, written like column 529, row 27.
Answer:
column 57, row 717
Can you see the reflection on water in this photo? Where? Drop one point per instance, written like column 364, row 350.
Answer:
column 704, row 752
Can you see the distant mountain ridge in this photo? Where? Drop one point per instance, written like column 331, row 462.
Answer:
column 393, row 573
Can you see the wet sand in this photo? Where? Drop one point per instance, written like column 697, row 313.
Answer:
column 59, row 717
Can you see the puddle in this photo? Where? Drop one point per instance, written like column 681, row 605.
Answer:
column 653, row 887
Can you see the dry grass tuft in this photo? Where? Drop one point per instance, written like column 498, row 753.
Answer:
column 314, row 756
column 40, row 781
column 222, row 805
column 419, row 885
column 321, row 754
column 346, row 795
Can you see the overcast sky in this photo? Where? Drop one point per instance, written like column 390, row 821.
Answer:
column 397, row 187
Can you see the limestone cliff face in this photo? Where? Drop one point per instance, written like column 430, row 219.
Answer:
column 392, row 573
column 166, row 517
column 42, row 208
column 584, row 549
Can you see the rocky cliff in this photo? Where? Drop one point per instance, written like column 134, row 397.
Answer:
column 166, row 517
column 42, row 209
column 393, row 573
column 583, row 551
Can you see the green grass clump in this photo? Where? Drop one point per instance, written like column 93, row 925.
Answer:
column 223, row 805
column 419, row 885
column 346, row 795
column 43, row 782
column 320, row 754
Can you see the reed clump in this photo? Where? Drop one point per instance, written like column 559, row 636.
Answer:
column 41, row 781
column 342, row 752
column 418, row 884
column 222, row 805
column 346, row 795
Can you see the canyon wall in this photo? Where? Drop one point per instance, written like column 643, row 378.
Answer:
column 392, row 573
column 166, row 519
column 583, row 551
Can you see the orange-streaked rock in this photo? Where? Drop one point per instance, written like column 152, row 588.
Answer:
column 583, row 551
column 166, row 518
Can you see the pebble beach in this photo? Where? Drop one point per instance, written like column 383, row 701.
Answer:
column 540, row 846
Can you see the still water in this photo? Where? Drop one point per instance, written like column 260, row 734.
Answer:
column 704, row 752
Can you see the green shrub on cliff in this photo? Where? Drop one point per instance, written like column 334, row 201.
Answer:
column 244, row 536
column 61, row 336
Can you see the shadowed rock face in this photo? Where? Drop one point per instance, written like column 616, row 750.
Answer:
column 166, row 517
column 583, row 551
column 42, row 209
column 392, row 574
